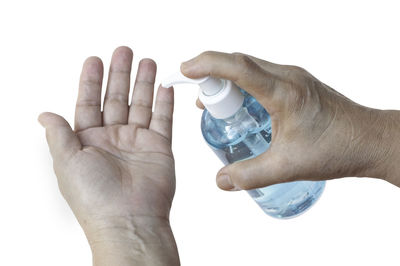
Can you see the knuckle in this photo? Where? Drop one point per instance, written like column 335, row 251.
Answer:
column 242, row 59
column 297, row 72
column 207, row 54
column 144, row 83
column 162, row 118
column 296, row 86
column 119, row 71
column 89, row 83
column 141, row 103
column 116, row 97
column 88, row 103
column 247, row 66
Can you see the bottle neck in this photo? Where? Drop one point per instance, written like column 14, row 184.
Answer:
column 243, row 118
column 225, row 103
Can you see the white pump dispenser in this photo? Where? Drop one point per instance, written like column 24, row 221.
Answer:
column 222, row 98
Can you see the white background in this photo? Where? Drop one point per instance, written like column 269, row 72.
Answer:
column 351, row 45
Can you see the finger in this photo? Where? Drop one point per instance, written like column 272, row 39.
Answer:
column 199, row 104
column 237, row 67
column 276, row 69
column 88, row 105
column 117, row 93
column 142, row 97
column 62, row 140
column 264, row 170
column 161, row 120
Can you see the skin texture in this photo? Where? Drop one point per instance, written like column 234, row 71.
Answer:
column 116, row 168
column 317, row 133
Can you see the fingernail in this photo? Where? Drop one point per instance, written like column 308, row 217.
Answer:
column 225, row 182
column 186, row 65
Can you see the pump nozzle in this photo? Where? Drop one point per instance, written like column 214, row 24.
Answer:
column 222, row 98
column 209, row 85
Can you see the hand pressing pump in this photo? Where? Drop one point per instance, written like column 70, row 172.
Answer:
column 237, row 127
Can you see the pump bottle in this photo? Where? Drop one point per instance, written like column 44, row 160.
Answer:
column 237, row 127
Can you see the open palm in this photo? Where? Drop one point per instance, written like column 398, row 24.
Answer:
column 116, row 163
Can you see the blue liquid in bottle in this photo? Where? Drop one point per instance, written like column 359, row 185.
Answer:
column 246, row 135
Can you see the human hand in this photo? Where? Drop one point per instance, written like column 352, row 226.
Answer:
column 317, row 133
column 116, row 169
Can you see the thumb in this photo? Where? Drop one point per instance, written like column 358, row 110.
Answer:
column 62, row 140
column 264, row 170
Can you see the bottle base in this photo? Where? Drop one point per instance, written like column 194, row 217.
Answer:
column 288, row 200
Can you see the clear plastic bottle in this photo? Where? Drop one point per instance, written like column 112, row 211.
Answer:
column 237, row 128
column 246, row 135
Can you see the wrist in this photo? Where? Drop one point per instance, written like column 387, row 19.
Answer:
column 379, row 146
column 390, row 146
column 138, row 240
